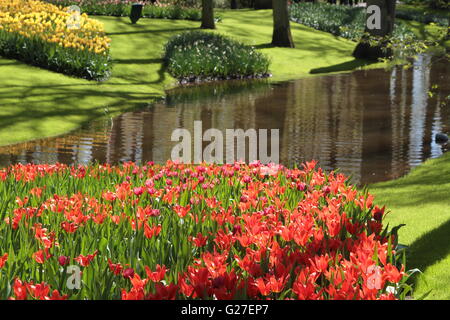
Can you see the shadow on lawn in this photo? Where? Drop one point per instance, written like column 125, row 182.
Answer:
column 151, row 31
column 123, row 100
column 425, row 185
column 9, row 63
column 345, row 66
column 431, row 247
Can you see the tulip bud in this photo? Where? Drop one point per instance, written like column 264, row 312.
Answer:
column 301, row 186
column 128, row 273
column 63, row 260
column 237, row 229
column 138, row 191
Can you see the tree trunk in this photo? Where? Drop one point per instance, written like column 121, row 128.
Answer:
column 282, row 36
column 363, row 50
column 234, row 4
column 208, row 14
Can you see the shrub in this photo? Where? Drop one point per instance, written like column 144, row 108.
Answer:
column 37, row 33
column 187, row 231
column 438, row 4
column 204, row 55
column 433, row 4
column 423, row 16
column 343, row 21
column 122, row 8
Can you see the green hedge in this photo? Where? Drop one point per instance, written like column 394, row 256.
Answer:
column 123, row 9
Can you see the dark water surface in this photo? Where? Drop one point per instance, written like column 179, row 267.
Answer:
column 374, row 125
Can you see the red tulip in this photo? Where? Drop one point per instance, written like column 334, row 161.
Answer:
column 63, row 260
column 138, row 191
column 84, row 261
column 3, row 260
column 128, row 273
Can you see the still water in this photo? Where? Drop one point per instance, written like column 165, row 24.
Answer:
column 374, row 125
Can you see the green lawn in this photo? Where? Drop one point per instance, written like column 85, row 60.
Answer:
column 421, row 201
column 36, row 103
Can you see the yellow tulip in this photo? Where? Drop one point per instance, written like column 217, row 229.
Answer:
column 48, row 22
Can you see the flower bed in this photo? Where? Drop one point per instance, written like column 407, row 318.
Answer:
column 197, row 55
column 37, row 33
column 182, row 231
column 121, row 8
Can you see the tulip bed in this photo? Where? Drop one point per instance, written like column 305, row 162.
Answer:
column 38, row 33
column 178, row 231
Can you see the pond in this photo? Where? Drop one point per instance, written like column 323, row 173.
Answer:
column 373, row 125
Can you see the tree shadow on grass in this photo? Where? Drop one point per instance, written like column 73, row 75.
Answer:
column 151, row 31
column 138, row 61
column 161, row 71
column 9, row 63
column 429, row 248
column 264, row 46
column 345, row 66
column 121, row 100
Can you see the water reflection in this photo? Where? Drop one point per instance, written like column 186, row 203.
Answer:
column 374, row 125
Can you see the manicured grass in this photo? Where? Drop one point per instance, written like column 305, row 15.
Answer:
column 36, row 103
column 421, row 201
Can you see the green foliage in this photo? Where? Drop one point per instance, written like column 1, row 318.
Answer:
column 34, row 51
column 343, row 21
column 434, row 4
column 438, row 4
column 172, row 12
column 423, row 16
column 123, row 8
column 202, row 55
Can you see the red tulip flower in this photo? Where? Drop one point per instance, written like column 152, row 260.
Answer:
column 63, row 260
column 128, row 273
column 3, row 260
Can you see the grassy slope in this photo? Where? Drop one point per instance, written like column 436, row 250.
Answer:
column 421, row 201
column 36, row 103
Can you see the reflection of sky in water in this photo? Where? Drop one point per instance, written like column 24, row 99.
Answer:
column 373, row 125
